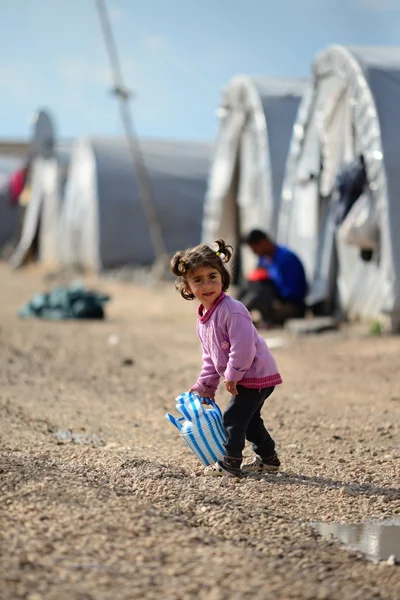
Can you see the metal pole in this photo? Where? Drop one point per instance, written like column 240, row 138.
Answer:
column 145, row 191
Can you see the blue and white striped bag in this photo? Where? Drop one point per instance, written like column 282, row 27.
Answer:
column 200, row 426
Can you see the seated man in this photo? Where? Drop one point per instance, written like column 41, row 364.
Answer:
column 279, row 294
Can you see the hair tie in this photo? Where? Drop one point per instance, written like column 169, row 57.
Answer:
column 218, row 253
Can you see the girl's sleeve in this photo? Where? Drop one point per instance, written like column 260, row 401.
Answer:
column 207, row 383
column 242, row 346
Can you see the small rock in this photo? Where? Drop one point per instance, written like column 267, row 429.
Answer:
column 112, row 446
column 323, row 593
column 128, row 362
column 391, row 561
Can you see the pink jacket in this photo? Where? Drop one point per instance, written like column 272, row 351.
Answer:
column 232, row 348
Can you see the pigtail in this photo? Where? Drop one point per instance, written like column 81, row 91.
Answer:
column 224, row 251
column 177, row 264
column 180, row 267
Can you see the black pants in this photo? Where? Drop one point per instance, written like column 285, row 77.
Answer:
column 264, row 297
column 242, row 420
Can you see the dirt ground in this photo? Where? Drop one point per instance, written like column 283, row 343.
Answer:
column 115, row 509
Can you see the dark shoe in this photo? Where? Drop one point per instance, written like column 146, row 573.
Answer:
column 269, row 464
column 227, row 467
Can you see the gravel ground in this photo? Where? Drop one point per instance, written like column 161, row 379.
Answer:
column 115, row 507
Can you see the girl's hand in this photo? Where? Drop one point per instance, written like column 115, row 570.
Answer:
column 203, row 400
column 231, row 387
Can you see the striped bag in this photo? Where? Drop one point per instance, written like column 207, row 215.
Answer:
column 200, row 426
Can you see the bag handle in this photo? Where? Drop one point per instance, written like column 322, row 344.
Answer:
column 212, row 403
column 191, row 402
column 174, row 421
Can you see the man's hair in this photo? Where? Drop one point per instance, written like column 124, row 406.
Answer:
column 255, row 236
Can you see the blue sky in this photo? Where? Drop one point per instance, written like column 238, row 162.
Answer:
column 176, row 55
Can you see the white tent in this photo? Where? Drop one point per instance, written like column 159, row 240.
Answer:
column 40, row 228
column 256, row 120
column 48, row 162
column 103, row 224
column 353, row 108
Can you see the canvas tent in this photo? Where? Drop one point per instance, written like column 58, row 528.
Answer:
column 48, row 166
column 103, row 225
column 353, row 108
column 39, row 236
column 256, row 120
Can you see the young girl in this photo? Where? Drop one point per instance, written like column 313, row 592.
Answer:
column 232, row 349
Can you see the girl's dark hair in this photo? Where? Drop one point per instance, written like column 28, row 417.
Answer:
column 183, row 262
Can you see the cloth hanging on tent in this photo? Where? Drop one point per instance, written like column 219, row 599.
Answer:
column 64, row 303
column 25, row 195
column 350, row 184
column 361, row 228
column 17, row 184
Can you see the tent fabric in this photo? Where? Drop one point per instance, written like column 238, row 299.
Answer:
column 256, row 120
column 103, row 225
column 353, row 107
column 42, row 214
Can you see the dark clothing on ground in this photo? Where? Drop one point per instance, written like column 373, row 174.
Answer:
column 242, row 420
column 64, row 303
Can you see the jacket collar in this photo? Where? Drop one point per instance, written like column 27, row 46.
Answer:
column 202, row 316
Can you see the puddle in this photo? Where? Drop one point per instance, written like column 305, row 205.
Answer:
column 377, row 540
column 86, row 439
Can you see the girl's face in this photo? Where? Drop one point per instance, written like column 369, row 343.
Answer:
column 205, row 283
